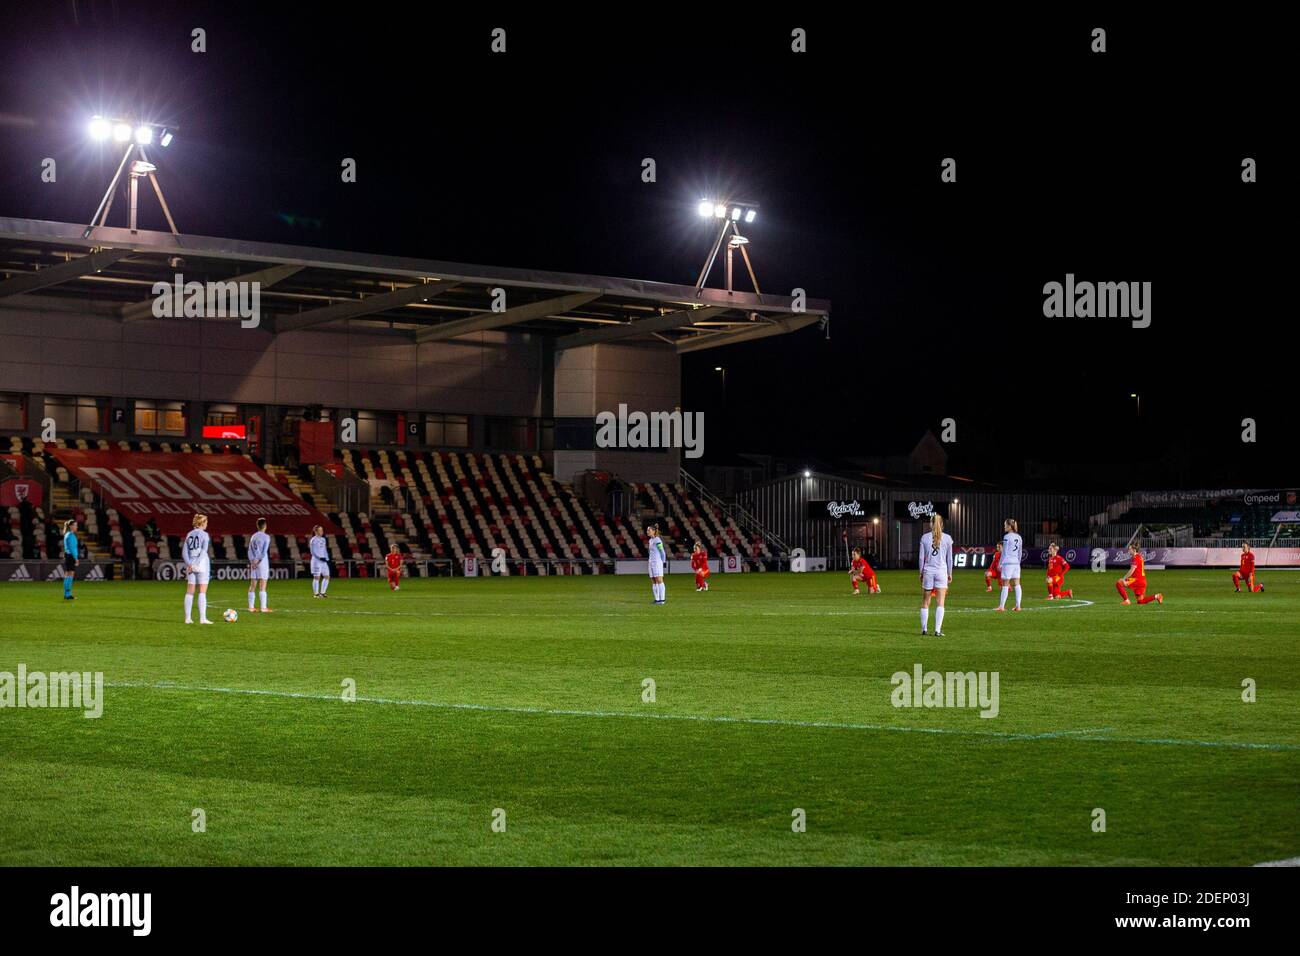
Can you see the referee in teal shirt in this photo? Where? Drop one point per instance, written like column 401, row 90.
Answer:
column 71, row 552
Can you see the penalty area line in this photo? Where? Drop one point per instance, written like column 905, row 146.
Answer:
column 1093, row 735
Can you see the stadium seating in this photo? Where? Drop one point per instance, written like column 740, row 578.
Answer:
column 435, row 506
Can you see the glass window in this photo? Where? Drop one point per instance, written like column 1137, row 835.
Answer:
column 222, row 415
column 11, row 411
column 73, row 414
column 376, row 428
column 510, row 434
column 159, row 418
column 446, row 431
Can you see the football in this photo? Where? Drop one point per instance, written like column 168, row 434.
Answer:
column 231, row 615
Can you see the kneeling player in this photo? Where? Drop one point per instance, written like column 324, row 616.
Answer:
column 700, row 564
column 1137, row 580
column 259, row 565
column 1247, row 570
column 991, row 574
column 1056, row 568
column 393, row 560
column 859, row 571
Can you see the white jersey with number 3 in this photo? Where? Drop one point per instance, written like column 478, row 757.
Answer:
column 1013, row 551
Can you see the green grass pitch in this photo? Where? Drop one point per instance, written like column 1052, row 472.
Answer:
column 772, row 693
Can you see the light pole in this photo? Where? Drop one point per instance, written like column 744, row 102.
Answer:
column 136, row 137
column 728, row 214
column 719, row 368
column 1138, row 410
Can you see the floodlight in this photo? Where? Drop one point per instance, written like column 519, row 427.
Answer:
column 749, row 216
column 99, row 128
column 735, row 214
column 807, row 474
column 706, row 207
column 121, row 132
column 720, row 211
column 144, row 135
column 166, row 138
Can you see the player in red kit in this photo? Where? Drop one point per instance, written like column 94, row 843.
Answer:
column 860, row 570
column 700, row 564
column 394, row 561
column 1056, row 568
column 1247, row 571
column 991, row 574
column 1137, row 580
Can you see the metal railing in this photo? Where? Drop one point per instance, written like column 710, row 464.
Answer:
column 743, row 518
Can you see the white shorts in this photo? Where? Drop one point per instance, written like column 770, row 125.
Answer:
column 656, row 570
column 319, row 568
column 934, row 579
column 260, row 571
column 199, row 575
column 1009, row 572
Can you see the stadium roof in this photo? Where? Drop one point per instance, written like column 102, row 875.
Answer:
column 303, row 287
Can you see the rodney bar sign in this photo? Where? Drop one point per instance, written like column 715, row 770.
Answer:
column 843, row 510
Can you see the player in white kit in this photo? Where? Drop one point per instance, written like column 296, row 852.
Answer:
column 1013, row 550
column 194, row 552
column 936, row 573
column 658, row 560
column 320, row 562
column 259, row 565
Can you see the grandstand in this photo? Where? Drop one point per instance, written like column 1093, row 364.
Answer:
column 474, row 420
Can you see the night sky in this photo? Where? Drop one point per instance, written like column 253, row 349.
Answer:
column 1123, row 166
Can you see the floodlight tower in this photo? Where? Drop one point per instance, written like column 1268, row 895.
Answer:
column 729, row 214
column 136, row 136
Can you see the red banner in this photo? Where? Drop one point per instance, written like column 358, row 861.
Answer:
column 14, row 491
column 315, row 442
column 171, row 486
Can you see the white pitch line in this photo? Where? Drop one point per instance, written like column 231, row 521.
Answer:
column 1079, row 602
column 1294, row 861
column 1088, row 734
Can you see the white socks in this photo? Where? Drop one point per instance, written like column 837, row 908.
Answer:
column 925, row 618
column 250, row 600
column 203, row 607
column 1017, row 595
column 189, row 603
column 263, row 593
column 324, row 585
column 660, row 591
column 938, row 619
column 1003, row 601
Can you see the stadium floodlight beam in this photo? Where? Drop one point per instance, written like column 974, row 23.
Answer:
column 136, row 136
column 729, row 213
